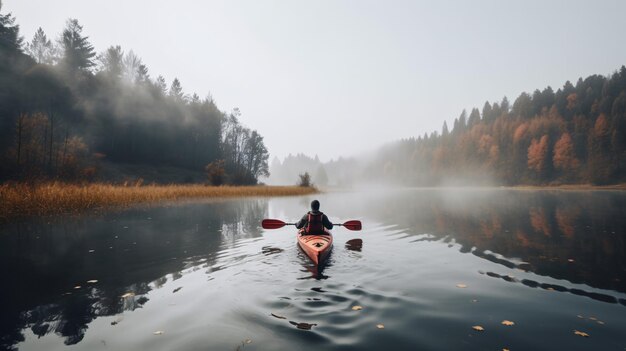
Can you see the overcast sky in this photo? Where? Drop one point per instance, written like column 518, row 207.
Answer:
column 337, row 78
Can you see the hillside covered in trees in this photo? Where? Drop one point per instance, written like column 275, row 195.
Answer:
column 67, row 111
column 576, row 134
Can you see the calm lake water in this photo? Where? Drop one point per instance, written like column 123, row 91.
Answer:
column 429, row 265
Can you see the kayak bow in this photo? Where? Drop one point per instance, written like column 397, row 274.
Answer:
column 317, row 247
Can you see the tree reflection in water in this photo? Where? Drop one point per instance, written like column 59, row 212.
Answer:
column 47, row 263
column 571, row 235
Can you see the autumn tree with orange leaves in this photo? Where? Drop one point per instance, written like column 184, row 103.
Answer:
column 576, row 134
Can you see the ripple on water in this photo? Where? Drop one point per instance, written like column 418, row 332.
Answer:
column 329, row 308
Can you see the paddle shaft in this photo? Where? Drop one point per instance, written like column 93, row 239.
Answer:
column 276, row 223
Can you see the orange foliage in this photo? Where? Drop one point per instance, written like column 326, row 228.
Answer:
column 538, row 153
column 522, row 238
column 539, row 221
column 564, row 157
column 566, row 220
column 572, row 101
column 484, row 144
column 494, row 155
column 601, row 127
column 520, row 132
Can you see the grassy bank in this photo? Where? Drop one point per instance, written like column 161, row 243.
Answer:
column 19, row 200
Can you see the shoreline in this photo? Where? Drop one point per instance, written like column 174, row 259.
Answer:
column 564, row 187
column 574, row 187
column 23, row 200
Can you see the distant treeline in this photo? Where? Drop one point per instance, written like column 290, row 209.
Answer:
column 65, row 110
column 574, row 135
column 340, row 172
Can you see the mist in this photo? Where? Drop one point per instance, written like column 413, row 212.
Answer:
column 572, row 135
column 358, row 75
column 80, row 114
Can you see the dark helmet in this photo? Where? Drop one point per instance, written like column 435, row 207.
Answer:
column 315, row 205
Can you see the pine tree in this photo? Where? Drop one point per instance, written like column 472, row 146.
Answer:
column 176, row 90
column 161, row 85
column 41, row 48
column 111, row 61
column 10, row 40
column 78, row 53
column 444, row 130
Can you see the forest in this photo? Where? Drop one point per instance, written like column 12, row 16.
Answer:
column 69, row 113
column 574, row 135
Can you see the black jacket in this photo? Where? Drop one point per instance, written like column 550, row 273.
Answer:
column 303, row 221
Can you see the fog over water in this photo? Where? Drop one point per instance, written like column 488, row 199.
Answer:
column 354, row 75
column 428, row 265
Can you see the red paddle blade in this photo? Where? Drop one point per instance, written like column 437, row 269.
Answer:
column 353, row 225
column 272, row 223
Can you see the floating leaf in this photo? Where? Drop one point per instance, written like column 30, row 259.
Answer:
column 583, row 334
column 579, row 316
column 93, row 281
column 92, row 251
column 380, row 326
column 128, row 294
column 248, row 341
column 357, row 308
column 593, row 318
column 478, row 328
column 277, row 316
column 303, row 326
column 601, row 322
column 462, row 286
column 158, row 332
column 268, row 250
column 77, row 287
column 509, row 323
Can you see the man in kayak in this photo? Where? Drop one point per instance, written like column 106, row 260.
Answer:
column 314, row 221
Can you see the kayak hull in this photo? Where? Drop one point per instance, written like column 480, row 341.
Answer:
column 316, row 247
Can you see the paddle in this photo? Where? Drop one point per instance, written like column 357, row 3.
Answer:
column 352, row 225
column 277, row 223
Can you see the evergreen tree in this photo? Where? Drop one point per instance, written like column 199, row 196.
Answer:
column 444, row 129
column 10, row 40
column 41, row 48
column 487, row 117
column 132, row 64
column 504, row 105
column 78, row 53
column 176, row 90
column 111, row 61
column 474, row 118
column 161, row 85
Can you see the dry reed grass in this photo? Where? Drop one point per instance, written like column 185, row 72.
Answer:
column 19, row 200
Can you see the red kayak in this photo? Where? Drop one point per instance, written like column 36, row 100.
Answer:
column 317, row 247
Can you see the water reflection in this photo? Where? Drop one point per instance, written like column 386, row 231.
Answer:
column 47, row 263
column 576, row 236
column 354, row 245
column 227, row 278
